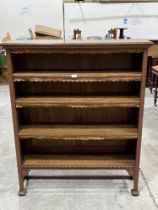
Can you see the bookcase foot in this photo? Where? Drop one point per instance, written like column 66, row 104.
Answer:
column 134, row 192
column 23, row 188
column 22, row 192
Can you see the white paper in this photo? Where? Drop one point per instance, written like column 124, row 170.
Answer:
column 24, row 7
column 136, row 21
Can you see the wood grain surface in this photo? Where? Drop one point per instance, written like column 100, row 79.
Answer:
column 76, row 101
column 85, row 76
column 82, row 132
column 78, row 161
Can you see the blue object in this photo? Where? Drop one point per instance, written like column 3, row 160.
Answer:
column 125, row 20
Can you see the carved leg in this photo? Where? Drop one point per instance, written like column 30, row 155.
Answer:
column 22, row 176
column 135, row 191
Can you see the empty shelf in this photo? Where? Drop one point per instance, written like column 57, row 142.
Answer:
column 78, row 132
column 78, row 101
column 37, row 76
column 78, row 161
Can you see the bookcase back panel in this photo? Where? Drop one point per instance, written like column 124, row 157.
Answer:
column 86, row 116
column 46, row 146
column 92, row 88
column 76, row 62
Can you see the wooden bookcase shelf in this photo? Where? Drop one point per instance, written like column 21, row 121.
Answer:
column 80, row 132
column 88, row 76
column 78, row 105
column 78, row 161
column 78, row 102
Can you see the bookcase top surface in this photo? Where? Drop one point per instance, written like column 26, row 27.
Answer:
column 76, row 43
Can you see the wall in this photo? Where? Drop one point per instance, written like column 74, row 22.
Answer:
column 142, row 19
column 47, row 12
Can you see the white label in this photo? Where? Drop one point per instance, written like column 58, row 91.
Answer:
column 73, row 76
column 24, row 7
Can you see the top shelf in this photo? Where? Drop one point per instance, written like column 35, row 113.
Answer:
column 77, row 46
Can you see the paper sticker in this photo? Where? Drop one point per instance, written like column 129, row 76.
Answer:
column 73, row 76
column 24, row 7
column 136, row 21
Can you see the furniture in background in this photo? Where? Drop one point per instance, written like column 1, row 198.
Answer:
column 155, row 82
column 152, row 61
column 78, row 105
column 3, row 66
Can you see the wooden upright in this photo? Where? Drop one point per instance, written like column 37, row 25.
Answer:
column 78, row 105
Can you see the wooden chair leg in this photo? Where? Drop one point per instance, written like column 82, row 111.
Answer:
column 149, row 76
column 156, row 92
column 151, row 83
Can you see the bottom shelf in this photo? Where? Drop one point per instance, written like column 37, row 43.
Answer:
column 78, row 161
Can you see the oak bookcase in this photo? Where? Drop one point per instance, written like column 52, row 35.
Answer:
column 78, row 105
